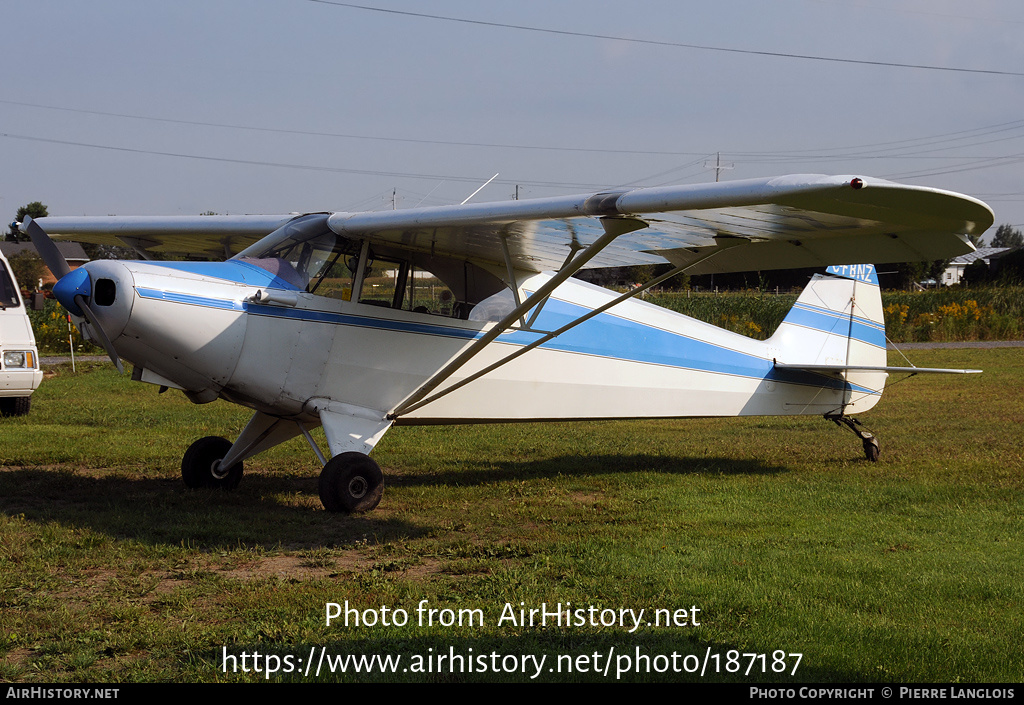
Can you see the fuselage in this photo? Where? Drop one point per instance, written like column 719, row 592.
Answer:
column 199, row 327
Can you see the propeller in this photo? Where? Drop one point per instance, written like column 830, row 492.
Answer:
column 72, row 287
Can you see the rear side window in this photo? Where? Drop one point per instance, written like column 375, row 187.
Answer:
column 9, row 295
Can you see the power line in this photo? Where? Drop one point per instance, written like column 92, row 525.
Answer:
column 969, row 166
column 657, row 42
column 869, row 151
column 314, row 133
column 906, row 144
column 285, row 165
column 945, row 15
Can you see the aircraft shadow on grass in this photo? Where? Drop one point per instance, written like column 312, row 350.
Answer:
column 281, row 510
column 488, row 471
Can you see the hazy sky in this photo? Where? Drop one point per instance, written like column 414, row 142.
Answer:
column 271, row 106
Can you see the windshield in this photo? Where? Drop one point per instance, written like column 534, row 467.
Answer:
column 297, row 262
column 298, row 252
column 9, row 295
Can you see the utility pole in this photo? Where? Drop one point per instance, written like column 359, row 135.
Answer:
column 718, row 166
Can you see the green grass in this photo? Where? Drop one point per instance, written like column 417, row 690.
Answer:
column 777, row 529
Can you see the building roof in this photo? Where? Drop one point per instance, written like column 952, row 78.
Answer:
column 981, row 253
column 72, row 251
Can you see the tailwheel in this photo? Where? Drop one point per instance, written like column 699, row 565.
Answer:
column 871, row 449
column 868, row 440
column 201, row 466
column 351, row 482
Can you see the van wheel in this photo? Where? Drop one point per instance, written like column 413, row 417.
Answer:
column 15, row 406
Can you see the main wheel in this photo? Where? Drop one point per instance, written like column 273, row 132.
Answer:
column 200, row 466
column 351, row 482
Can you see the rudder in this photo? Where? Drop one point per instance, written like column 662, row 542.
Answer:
column 838, row 321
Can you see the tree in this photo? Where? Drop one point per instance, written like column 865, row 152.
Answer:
column 94, row 251
column 1007, row 236
column 28, row 269
column 908, row 274
column 937, row 268
column 977, row 273
column 35, row 209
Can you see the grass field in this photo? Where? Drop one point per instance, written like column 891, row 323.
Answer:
column 776, row 529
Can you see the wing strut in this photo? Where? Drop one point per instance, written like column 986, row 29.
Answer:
column 418, row 400
column 512, row 276
column 574, row 247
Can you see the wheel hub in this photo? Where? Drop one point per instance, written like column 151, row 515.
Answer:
column 357, row 487
column 216, row 471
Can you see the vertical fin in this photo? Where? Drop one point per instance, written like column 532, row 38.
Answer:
column 838, row 320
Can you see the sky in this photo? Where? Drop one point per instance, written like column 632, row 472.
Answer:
column 274, row 106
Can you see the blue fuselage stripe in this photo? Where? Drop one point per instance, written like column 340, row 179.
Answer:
column 192, row 299
column 232, row 270
column 861, row 329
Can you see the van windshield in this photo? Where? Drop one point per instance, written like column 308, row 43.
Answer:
column 9, row 295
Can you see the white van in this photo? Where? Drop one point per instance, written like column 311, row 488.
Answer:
column 19, row 359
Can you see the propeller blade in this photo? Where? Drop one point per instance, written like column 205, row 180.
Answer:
column 97, row 330
column 46, row 248
column 53, row 259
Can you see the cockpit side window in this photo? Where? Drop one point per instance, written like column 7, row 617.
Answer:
column 309, row 255
column 336, row 277
column 399, row 284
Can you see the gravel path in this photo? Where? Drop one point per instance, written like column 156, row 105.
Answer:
column 984, row 344
column 57, row 359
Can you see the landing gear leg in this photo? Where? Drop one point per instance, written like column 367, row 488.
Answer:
column 351, row 482
column 870, row 443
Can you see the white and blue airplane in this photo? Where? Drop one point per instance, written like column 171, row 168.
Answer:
column 324, row 318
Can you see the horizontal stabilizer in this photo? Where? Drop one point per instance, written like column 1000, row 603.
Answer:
column 865, row 368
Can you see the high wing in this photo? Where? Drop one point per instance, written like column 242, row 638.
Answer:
column 220, row 236
column 755, row 224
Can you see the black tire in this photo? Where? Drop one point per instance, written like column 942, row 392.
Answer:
column 15, row 406
column 871, row 449
column 200, row 466
column 351, row 482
